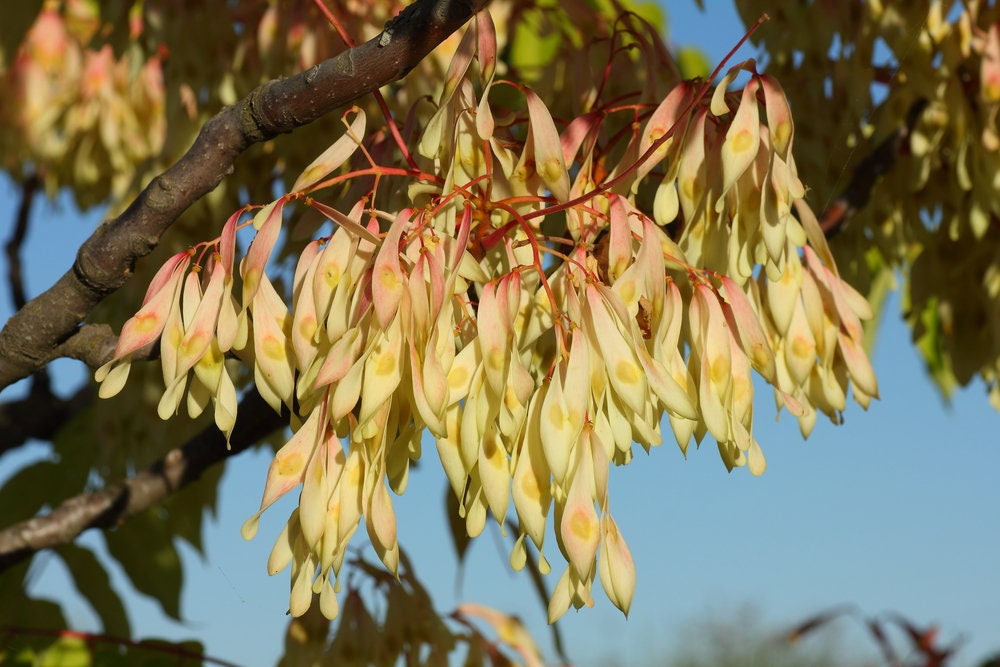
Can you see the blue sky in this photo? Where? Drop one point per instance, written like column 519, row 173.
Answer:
column 893, row 510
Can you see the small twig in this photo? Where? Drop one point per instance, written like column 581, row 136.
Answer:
column 40, row 381
column 15, row 274
column 116, row 503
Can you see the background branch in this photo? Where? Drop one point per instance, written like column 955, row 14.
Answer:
column 15, row 275
column 867, row 173
column 105, row 261
column 37, row 417
column 113, row 505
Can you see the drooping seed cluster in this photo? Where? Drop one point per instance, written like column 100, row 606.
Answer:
column 535, row 301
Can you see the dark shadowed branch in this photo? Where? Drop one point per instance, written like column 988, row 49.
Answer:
column 15, row 276
column 41, row 329
column 868, row 172
column 39, row 417
column 116, row 503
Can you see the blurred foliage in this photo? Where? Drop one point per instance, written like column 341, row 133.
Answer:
column 741, row 639
column 930, row 214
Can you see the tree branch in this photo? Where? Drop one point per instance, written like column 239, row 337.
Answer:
column 34, row 335
column 875, row 165
column 114, row 504
column 15, row 275
column 39, row 417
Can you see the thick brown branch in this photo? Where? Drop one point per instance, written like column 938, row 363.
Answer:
column 32, row 337
column 114, row 504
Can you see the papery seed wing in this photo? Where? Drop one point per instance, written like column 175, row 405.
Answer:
column 547, row 147
column 334, row 156
column 267, row 222
column 287, row 469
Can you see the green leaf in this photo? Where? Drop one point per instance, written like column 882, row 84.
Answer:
column 882, row 284
column 305, row 638
column 146, row 552
column 539, row 584
column 693, row 63
column 651, row 12
column 17, row 18
column 931, row 342
column 534, row 43
column 456, row 526
column 20, row 609
column 165, row 653
column 27, row 491
column 92, row 582
column 66, row 652
column 187, row 507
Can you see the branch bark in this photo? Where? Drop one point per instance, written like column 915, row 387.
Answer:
column 114, row 504
column 35, row 334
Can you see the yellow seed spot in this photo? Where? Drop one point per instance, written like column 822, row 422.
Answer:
column 582, row 525
column 317, row 473
column 496, row 358
column 312, row 173
column 386, row 364
column 556, row 416
column 551, row 170
column 510, row 398
column 250, row 281
column 529, row 487
column 212, row 357
column 802, row 348
column 782, row 133
column 457, row 377
column 681, row 378
column 627, row 290
column 597, row 381
column 468, row 155
column 389, row 279
column 524, row 172
column 719, row 369
column 991, row 89
column 307, row 327
column 290, row 465
column 742, row 141
column 759, row 357
column 353, row 476
column 690, row 189
column 174, row 336
column 490, row 449
column 193, row 343
column 146, row 323
column 742, row 389
column 332, row 275
column 627, row 371
column 273, row 348
column 789, row 275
